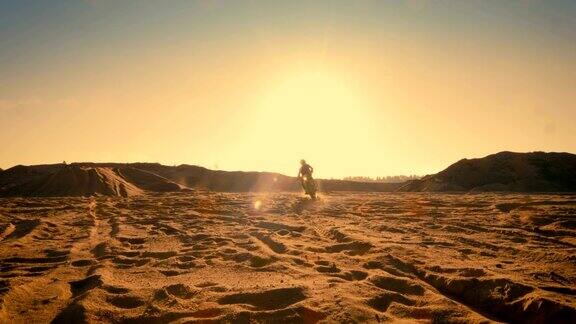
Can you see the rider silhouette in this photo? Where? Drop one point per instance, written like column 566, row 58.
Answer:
column 305, row 176
column 305, row 170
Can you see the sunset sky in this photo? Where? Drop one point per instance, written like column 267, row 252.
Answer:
column 369, row 88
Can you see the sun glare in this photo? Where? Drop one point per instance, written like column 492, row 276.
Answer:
column 317, row 116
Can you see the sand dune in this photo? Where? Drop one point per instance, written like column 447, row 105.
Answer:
column 74, row 180
column 504, row 171
column 147, row 180
column 238, row 257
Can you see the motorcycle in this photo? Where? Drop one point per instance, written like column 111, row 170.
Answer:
column 309, row 186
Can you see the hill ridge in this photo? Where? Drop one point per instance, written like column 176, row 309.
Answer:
column 140, row 178
column 504, row 171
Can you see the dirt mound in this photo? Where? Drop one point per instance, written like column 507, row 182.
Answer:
column 147, row 180
column 21, row 174
column 58, row 180
column 75, row 180
column 71, row 181
column 504, row 171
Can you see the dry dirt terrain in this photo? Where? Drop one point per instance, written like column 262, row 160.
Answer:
column 223, row 257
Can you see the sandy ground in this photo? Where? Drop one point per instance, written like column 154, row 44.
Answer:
column 201, row 256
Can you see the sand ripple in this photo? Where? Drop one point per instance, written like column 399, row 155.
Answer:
column 215, row 257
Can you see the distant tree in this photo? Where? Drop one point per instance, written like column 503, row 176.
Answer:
column 384, row 179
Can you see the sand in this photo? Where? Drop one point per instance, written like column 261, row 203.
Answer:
column 348, row 257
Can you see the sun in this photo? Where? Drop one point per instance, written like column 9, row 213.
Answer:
column 307, row 99
column 314, row 115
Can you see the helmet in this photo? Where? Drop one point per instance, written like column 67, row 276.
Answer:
column 302, row 161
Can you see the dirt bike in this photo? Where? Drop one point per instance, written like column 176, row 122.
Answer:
column 309, row 186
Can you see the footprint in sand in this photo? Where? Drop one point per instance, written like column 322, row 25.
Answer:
column 399, row 285
column 328, row 269
column 382, row 301
column 181, row 291
column 266, row 300
column 79, row 287
column 126, row 302
column 353, row 275
column 171, row 273
column 19, row 229
column 82, row 263
column 116, row 290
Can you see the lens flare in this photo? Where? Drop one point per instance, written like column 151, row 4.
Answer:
column 257, row 204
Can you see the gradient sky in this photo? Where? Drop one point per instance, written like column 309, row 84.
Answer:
column 367, row 88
